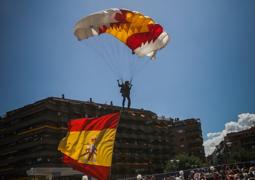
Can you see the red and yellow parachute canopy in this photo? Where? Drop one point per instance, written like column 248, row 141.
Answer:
column 140, row 33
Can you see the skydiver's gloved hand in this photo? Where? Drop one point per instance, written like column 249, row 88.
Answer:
column 118, row 82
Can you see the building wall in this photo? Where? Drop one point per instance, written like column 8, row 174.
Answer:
column 241, row 140
column 232, row 143
column 29, row 137
column 188, row 137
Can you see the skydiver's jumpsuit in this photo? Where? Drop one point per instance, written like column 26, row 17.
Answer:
column 125, row 92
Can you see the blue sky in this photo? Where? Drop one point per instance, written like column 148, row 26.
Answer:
column 207, row 71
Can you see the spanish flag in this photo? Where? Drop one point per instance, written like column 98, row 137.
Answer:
column 88, row 145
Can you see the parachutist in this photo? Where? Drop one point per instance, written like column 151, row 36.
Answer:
column 125, row 92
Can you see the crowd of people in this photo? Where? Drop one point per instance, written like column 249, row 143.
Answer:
column 212, row 173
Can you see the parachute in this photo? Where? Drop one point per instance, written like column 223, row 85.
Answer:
column 140, row 33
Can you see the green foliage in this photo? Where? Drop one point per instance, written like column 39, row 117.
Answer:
column 182, row 162
column 171, row 166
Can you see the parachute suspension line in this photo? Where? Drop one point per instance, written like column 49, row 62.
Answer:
column 123, row 52
column 118, row 58
column 115, row 49
column 129, row 59
column 144, row 65
column 119, row 53
column 109, row 48
column 106, row 49
column 132, row 63
column 137, row 69
column 102, row 55
column 121, row 59
column 104, row 59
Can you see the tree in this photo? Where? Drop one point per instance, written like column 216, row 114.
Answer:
column 182, row 162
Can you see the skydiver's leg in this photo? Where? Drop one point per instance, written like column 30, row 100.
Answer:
column 129, row 101
column 123, row 102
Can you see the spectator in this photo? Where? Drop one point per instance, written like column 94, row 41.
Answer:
column 251, row 174
column 196, row 175
column 244, row 173
column 139, row 177
column 191, row 174
column 180, row 176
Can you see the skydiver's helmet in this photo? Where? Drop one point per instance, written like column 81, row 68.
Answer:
column 127, row 82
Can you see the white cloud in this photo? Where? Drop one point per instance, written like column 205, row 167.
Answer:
column 245, row 121
column 211, row 135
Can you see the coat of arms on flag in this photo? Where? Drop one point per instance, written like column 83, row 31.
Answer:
column 88, row 145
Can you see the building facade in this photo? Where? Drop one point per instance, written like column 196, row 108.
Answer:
column 236, row 147
column 29, row 137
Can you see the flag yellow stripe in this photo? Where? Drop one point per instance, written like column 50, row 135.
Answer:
column 89, row 147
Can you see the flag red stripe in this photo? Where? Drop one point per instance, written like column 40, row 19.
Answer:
column 99, row 172
column 109, row 121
